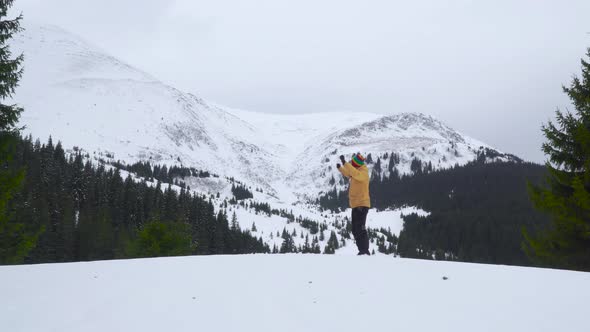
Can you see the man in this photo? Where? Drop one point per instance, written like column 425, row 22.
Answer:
column 358, row 197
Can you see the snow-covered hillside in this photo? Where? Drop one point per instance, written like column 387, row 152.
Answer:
column 290, row 293
column 85, row 98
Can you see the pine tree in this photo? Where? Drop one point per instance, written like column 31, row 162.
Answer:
column 567, row 198
column 10, row 69
column 234, row 222
column 315, row 246
column 288, row 244
column 15, row 240
column 306, row 246
column 332, row 244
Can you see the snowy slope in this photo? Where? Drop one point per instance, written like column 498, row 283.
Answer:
column 85, row 98
column 290, row 293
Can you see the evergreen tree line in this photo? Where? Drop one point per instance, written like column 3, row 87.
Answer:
column 385, row 241
column 288, row 244
column 261, row 208
column 310, row 245
column 83, row 212
column 477, row 211
column 313, row 226
column 241, row 192
column 154, row 172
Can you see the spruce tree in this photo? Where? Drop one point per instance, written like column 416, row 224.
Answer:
column 567, row 197
column 234, row 222
column 288, row 244
column 10, row 69
column 15, row 240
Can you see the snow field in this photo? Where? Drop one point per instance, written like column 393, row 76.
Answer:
column 290, row 293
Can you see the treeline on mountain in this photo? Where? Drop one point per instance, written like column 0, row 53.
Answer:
column 309, row 246
column 85, row 212
column 477, row 211
column 162, row 173
column 241, row 192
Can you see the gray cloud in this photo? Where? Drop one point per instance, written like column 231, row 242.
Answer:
column 492, row 69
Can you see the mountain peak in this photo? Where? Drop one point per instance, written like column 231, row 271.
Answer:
column 407, row 124
column 55, row 54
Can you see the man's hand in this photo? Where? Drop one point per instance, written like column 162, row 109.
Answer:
column 337, row 165
column 342, row 159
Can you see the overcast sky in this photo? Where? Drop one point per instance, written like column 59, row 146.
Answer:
column 490, row 69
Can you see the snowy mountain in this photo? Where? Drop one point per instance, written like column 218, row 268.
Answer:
column 85, row 98
column 290, row 293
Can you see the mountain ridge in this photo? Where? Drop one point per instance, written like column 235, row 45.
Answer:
column 102, row 104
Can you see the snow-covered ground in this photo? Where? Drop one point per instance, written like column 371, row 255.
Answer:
column 290, row 293
column 392, row 220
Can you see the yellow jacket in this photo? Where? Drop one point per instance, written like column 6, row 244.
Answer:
column 358, row 191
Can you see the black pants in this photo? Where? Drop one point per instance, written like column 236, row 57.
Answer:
column 359, row 228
